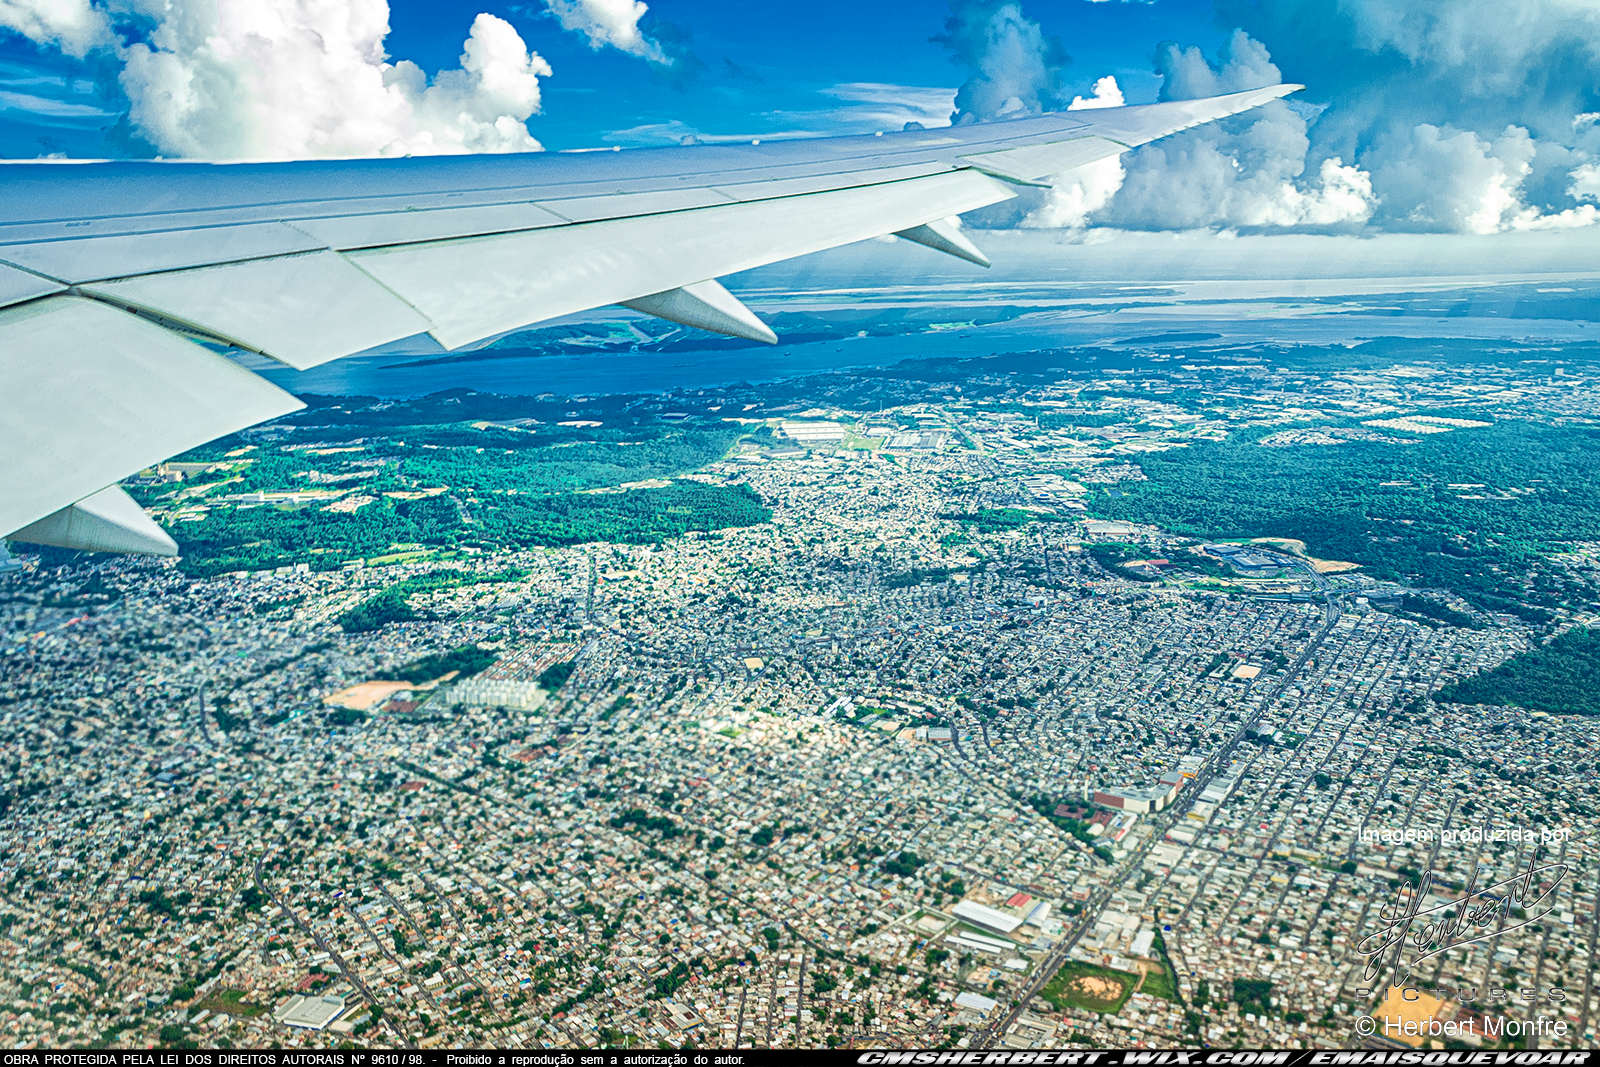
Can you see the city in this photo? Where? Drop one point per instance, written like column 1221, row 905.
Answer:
column 951, row 746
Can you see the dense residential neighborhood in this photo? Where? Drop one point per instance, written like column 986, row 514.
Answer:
column 944, row 754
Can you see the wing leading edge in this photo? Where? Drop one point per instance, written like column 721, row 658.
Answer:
column 109, row 272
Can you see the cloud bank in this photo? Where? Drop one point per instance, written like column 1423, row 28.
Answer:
column 1477, row 116
column 1016, row 67
column 242, row 79
column 1247, row 172
column 288, row 79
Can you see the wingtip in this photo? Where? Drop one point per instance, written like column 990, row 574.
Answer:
column 1267, row 92
column 1253, row 98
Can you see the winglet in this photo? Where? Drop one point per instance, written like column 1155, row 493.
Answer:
column 1115, row 131
column 108, row 521
column 943, row 237
column 706, row 306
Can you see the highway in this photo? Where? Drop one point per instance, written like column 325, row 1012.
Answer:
column 1220, row 758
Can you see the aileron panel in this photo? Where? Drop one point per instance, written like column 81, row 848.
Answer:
column 91, row 259
column 301, row 310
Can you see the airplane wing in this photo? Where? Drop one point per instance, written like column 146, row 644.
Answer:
column 110, row 272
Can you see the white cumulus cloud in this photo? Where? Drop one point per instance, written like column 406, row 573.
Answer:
column 247, row 79
column 1247, row 173
column 1075, row 195
column 610, row 23
column 287, row 79
column 1107, row 93
column 1570, row 219
column 1187, row 74
column 1080, row 192
column 1474, row 116
column 1016, row 66
column 1341, row 195
column 1585, row 182
column 76, row 27
column 1441, row 178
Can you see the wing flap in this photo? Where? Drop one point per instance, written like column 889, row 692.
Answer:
column 437, row 224
column 301, row 310
column 92, row 259
column 19, row 285
column 478, row 288
column 1037, row 161
column 94, row 394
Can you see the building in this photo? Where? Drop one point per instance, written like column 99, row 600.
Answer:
column 1246, row 560
column 986, row 917
column 977, row 943
column 310, row 1013
column 1109, row 528
column 499, row 693
column 978, row 1003
column 1142, row 801
column 1145, row 801
column 813, row 433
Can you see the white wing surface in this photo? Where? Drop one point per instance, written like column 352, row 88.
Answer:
column 109, row 272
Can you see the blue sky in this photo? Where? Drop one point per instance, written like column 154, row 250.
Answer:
column 745, row 68
column 1468, row 117
column 768, row 68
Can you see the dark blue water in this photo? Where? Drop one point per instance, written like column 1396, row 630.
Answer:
column 602, row 373
column 599, row 373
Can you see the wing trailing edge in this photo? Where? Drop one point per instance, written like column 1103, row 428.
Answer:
column 303, row 309
column 110, row 272
column 473, row 289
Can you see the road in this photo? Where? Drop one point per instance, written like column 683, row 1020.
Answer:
column 1219, row 759
column 1052, row 963
column 344, row 968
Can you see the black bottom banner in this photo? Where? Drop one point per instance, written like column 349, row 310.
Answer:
column 780, row 1057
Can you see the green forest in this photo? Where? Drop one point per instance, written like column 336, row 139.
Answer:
column 466, row 660
column 390, row 605
column 1000, row 520
column 502, row 486
column 1562, row 677
column 1416, row 529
